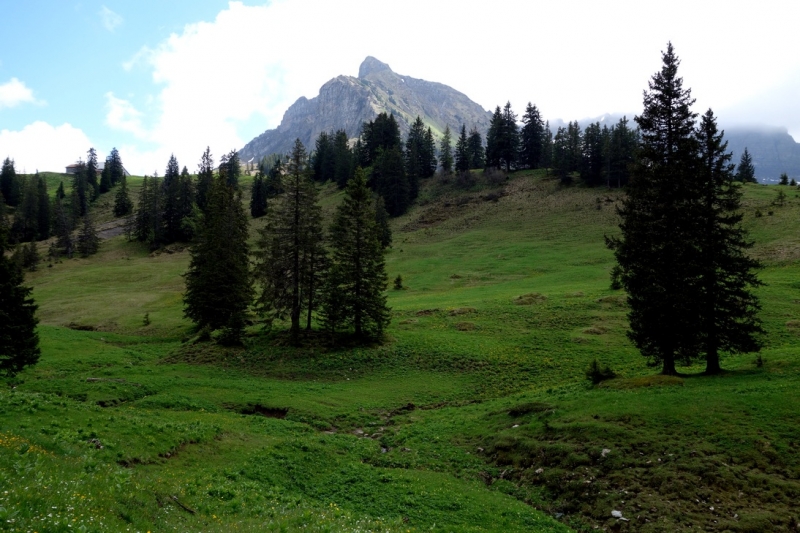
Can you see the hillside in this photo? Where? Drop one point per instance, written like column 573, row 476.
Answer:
column 346, row 103
column 474, row 416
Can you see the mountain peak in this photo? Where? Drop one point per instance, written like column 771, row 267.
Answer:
column 370, row 65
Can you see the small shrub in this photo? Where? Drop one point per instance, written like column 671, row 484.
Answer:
column 465, row 180
column 616, row 278
column 146, row 320
column 494, row 176
column 598, row 374
column 398, row 283
column 758, row 213
column 530, row 298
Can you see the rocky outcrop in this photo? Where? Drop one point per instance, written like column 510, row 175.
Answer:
column 774, row 151
column 346, row 103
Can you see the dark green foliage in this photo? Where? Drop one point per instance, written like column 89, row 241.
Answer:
column 274, row 179
column 792, row 183
column 322, row 158
column 598, row 374
column 230, row 168
column 105, row 176
column 475, row 149
column 291, row 259
column 784, row 179
column 43, row 215
column 620, row 153
column 81, row 191
column 547, row 147
column 218, row 281
column 389, row 180
column 382, row 222
column 502, row 139
column 88, row 241
column 26, row 218
column 398, row 283
column 4, row 225
column 62, row 228
column 381, row 134
column 148, row 221
column 205, row 177
column 446, row 151
column 91, row 175
column 561, row 156
column 117, row 171
column 657, row 251
column 258, row 196
column 532, row 138
column 746, row 172
column 10, row 186
column 19, row 342
column 343, row 159
column 728, row 309
column 420, row 155
column 179, row 201
column 354, row 295
column 123, row 205
column 332, row 159
column 462, row 151
column 592, row 144
column 60, row 194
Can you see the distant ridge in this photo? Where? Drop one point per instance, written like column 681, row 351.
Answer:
column 346, row 102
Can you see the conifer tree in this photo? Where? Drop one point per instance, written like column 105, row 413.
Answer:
column 290, row 256
column 63, row 225
column 547, row 147
column 218, row 282
column 531, row 137
column 60, row 194
column 462, row 151
column 10, row 185
column 117, row 171
column 382, row 222
column 728, row 309
column 446, row 151
column 258, row 196
column 657, row 249
column 88, row 241
column 274, row 179
column 26, row 218
column 354, row 293
column 123, row 205
column 322, row 160
column 230, row 168
column 19, row 342
column 174, row 208
column 592, row 144
column 81, row 193
column 390, row 181
column 91, row 175
column 105, row 176
column 493, row 136
column 342, row 159
column 477, row 157
column 205, row 177
column 784, row 179
column 746, row 172
column 43, row 212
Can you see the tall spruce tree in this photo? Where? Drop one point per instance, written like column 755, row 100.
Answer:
column 62, row 226
column 446, row 151
column 354, row 295
column 462, row 151
column 10, row 186
column 26, row 218
column 230, row 168
column 123, row 206
column 290, row 256
column 592, row 144
column 746, row 172
column 81, row 191
column 88, row 241
column 117, row 171
column 343, row 160
column 219, row 286
column 657, row 249
column 171, row 194
column 19, row 342
column 728, row 308
column 477, row 157
column 105, row 176
column 44, row 216
column 91, row 174
column 205, row 177
column 420, row 156
column 531, row 137
column 258, row 196
column 389, row 180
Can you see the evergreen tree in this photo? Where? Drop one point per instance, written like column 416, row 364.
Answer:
column 19, row 342
column 91, row 175
column 381, row 134
column 620, row 153
column 547, row 147
column 88, row 241
column 382, row 222
column 290, row 257
column 728, row 309
column 591, row 168
column 657, row 250
column 230, row 168
column 561, row 160
column 429, row 161
column 187, row 206
column 274, row 179
column 80, row 191
column 390, row 181
column 148, row 222
column 205, row 177
column 218, row 282
column 26, row 218
column 531, row 137
column 60, row 194
column 462, row 151
column 123, row 205
column 446, row 151
column 62, row 225
column 784, row 179
column 342, row 159
column 475, row 150
column 43, row 212
column 420, row 162
column 354, row 293
column 105, row 176
column 171, row 194
column 746, row 172
column 4, row 225
column 117, row 171
column 258, row 196
column 493, row 136
column 322, row 161
column 10, row 185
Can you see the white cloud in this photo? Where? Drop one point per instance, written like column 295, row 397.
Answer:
column 222, row 82
column 123, row 116
column 14, row 92
column 110, row 19
column 40, row 146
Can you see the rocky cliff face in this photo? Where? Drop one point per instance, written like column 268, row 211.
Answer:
column 346, row 102
column 774, row 151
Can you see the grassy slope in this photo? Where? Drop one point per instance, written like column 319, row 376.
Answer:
column 415, row 434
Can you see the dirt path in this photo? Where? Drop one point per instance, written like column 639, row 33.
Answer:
column 111, row 229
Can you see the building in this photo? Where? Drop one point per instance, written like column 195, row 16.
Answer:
column 73, row 168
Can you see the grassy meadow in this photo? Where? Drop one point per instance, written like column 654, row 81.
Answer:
column 475, row 415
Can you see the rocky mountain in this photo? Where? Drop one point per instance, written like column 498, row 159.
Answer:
column 346, row 102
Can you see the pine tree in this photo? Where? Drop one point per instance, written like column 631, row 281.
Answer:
column 462, row 151
column 591, row 168
column 80, row 191
column 728, row 309
column 62, row 225
column 657, row 250
column 621, row 153
column 322, row 161
column 26, row 218
column 105, row 176
column 561, row 156
column 258, row 196
column 218, row 282
column 123, row 205
column 19, row 342
column 390, row 181
column 446, row 151
column 43, row 212
column 91, row 175
column 493, row 136
column 171, row 185
column 10, row 186
column 746, row 172
column 477, row 157
column 60, row 194
column 205, row 177
column 382, row 222
column 290, row 256
column 547, row 147
column 531, row 137
column 230, row 168
column 784, row 179
column 117, row 171
column 343, row 160
column 354, row 293
column 88, row 241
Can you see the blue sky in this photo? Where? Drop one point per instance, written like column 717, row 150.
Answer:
column 155, row 78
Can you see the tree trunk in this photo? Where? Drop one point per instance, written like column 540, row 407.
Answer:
column 712, row 362
column 669, row 367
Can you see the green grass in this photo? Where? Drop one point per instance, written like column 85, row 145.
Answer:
column 474, row 416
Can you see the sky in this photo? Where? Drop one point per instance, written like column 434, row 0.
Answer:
column 155, row 78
